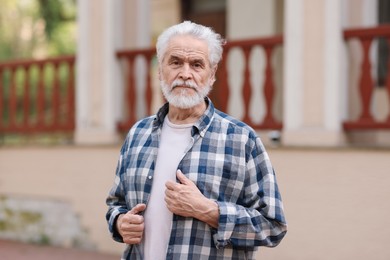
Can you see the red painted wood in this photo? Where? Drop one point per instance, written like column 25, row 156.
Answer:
column 130, row 87
column 41, row 98
column 26, row 98
column 266, row 41
column 148, row 90
column 22, row 63
column 365, row 121
column 221, row 92
column 12, row 99
column 56, row 97
column 131, row 91
column 388, row 78
column 269, row 87
column 1, row 98
column 247, row 88
column 21, row 102
column 366, row 84
column 130, row 96
column 223, row 86
column 365, row 125
column 70, row 97
column 361, row 33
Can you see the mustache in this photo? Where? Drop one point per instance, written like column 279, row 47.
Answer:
column 182, row 83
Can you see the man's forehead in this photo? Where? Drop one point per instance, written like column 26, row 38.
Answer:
column 187, row 45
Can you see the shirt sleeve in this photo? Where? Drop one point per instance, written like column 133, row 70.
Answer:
column 258, row 220
column 116, row 198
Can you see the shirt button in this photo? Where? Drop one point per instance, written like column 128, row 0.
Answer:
column 150, row 177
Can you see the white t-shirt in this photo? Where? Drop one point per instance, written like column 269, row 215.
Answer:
column 158, row 219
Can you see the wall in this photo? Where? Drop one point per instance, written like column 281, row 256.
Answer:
column 335, row 200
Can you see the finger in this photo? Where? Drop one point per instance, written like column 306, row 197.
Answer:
column 133, row 240
column 170, row 185
column 136, row 226
column 168, row 193
column 138, row 208
column 182, row 178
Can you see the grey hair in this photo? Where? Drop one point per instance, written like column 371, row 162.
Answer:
column 207, row 34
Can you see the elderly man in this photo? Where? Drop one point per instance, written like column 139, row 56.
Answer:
column 191, row 181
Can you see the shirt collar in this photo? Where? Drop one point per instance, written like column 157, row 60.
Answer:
column 200, row 126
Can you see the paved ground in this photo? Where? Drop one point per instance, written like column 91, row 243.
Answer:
column 10, row 250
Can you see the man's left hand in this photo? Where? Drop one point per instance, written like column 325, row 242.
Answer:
column 185, row 199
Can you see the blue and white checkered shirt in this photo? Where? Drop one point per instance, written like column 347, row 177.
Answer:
column 228, row 163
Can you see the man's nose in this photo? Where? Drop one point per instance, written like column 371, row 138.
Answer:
column 185, row 72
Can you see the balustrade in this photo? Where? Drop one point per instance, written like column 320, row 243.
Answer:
column 220, row 93
column 37, row 96
column 367, row 84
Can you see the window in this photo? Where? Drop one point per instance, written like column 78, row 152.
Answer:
column 206, row 12
column 383, row 44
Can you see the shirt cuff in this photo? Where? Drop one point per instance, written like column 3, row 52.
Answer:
column 226, row 224
column 112, row 223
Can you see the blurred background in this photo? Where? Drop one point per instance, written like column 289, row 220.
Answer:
column 311, row 77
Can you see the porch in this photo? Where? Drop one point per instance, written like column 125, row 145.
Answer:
column 38, row 97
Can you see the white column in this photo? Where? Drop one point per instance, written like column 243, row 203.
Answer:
column 99, row 79
column 293, row 53
column 313, row 94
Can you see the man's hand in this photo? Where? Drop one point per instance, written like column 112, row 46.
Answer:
column 131, row 225
column 185, row 199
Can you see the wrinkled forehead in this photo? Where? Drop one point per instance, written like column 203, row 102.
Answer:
column 187, row 46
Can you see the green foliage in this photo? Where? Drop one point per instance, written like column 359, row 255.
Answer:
column 63, row 40
column 39, row 28
column 55, row 13
column 50, row 11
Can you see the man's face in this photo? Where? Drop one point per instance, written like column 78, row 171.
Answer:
column 185, row 74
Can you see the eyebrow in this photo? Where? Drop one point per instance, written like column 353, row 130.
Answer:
column 174, row 57
column 196, row 60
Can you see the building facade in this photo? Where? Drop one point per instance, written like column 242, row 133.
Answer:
column 316, row 72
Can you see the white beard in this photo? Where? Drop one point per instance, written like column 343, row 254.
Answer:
column 184, row 99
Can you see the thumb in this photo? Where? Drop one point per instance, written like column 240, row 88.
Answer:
column 138, row 208
column 182, row 178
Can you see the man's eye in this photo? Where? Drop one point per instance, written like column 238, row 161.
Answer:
column 197, row 65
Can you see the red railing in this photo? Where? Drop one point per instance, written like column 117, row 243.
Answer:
column 37, row 96
column 366, row 84
column 220, row 93
column 130, row 93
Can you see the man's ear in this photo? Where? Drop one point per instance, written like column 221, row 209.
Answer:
column 212, row 77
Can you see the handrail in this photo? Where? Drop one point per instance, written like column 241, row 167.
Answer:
column 268, row 44
column 220, row 94
column 366, row 84
column 37, row 96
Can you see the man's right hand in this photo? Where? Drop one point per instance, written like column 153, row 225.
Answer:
column 131, row 225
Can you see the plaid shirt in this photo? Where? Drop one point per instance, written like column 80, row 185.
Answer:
column 228, row 163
